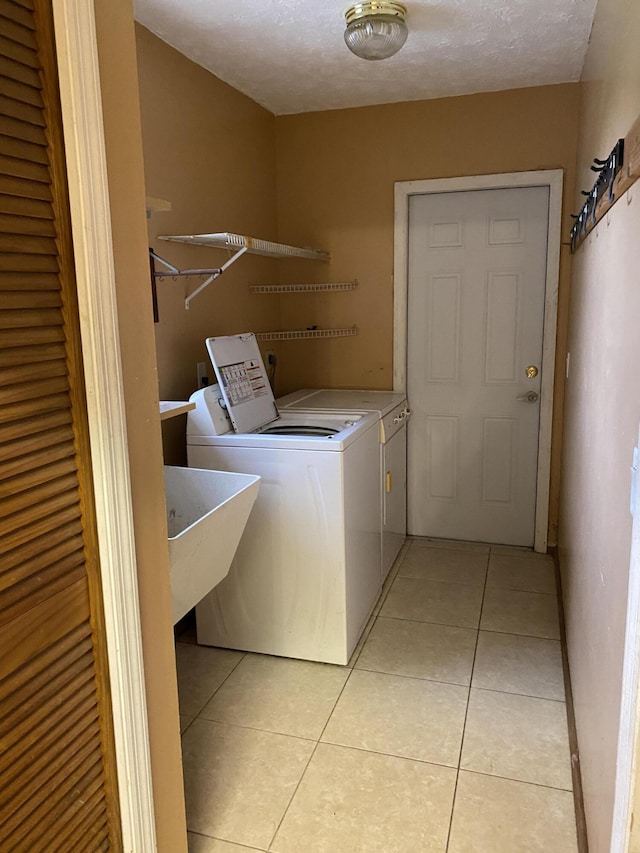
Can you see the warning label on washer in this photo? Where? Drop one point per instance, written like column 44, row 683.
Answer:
column 243, row 381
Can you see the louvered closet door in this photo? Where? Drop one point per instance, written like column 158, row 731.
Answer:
column 57, row 776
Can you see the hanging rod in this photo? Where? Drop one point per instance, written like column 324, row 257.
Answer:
column 212, row 274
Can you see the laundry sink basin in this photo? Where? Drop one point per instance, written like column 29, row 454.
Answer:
column 206, row 514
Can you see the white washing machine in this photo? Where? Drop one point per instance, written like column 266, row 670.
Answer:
column 393, row 411
column 306, row 573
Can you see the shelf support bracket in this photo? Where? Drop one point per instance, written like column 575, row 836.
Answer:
column 173, row 271
column 214, row 275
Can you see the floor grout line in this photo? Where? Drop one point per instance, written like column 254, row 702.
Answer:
column 514, row 779
column 466, row 713
column 306, row 767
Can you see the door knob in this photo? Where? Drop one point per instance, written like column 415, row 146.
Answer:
column 531, row 371
column 530, row 397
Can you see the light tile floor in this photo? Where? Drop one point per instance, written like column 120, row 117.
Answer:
column 446, row 733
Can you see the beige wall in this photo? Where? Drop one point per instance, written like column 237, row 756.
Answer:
column 602, row 411
column 336, row 174
column 210, row 151
column 116, row 48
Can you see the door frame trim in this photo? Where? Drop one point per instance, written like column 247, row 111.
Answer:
column 624, row 831
column 81, row 104
column 552, row 178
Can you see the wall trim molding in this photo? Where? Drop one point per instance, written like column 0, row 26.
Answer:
column 552, row 178
column 623, row 830
column 80, row 96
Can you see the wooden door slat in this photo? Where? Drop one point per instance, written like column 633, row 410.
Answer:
column 29, row 299
column 31, row 207
column 19, row 340
column 11, row 224
column 20, row 91
column 53, row 478
column 10, row 126
column 26, row 4
column 27, row 244
column 75, row 832
column 23, row 112
column 28, row 636
column 47, row 466
column 18, row 52
column 68, row 834
column 25, row 318
column 14, row 12
column 17, row 32
column 50, row 797
column 28, row 263
column 24, row 699
column 30, row 318
column 30, row 444
column 43, row 565
column 19, row 71
column 24, row 188
column 33, row 354
column 40, row 544
column 31, row 371
column 18, row 167
column 35, row 522
column 53, row 748
column 37, row 728
column 57, row 488
column 24, row 813
column 38, row 423
column 32, row 591
column 39, row 457
column 43, row 838
column 27, row 408
column 21, row 150
column 21, row 683
column 96, row 839
column 26, row 282
column 59, row 440
column 35, row 389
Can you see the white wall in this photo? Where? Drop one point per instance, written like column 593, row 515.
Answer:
column 602, row 410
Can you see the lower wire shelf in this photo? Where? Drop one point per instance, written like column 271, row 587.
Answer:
column 303, row 334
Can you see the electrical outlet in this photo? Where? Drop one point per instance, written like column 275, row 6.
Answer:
column 203, row 377
column 271, row 357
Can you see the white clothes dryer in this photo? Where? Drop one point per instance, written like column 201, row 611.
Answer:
column 306, row 574
column 393, row 410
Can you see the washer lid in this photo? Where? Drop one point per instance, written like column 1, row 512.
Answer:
column 243, row 381
column 328, row 399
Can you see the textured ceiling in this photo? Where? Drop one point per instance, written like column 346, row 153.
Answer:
column 289, row 55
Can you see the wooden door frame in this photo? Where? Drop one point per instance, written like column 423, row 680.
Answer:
column 80, row 96
column 551, row 178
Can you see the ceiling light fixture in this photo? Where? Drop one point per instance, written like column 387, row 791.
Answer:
column 376, row 29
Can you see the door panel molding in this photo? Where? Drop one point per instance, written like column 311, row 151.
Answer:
column 91, row 225
column 552, row 178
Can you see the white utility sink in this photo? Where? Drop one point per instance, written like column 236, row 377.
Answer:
column 206, row 514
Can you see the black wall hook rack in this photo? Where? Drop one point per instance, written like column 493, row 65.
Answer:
column 603, row 188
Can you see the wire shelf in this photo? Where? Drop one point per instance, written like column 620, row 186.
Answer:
column 253, row 245
column 303, row 288
column 305, row 334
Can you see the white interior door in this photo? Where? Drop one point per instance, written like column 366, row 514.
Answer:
column 476, row 293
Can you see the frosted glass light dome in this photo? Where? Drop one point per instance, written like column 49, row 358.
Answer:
column 375, row 30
